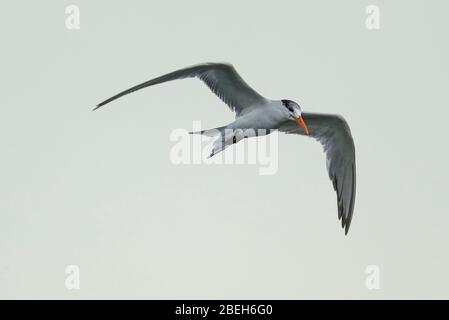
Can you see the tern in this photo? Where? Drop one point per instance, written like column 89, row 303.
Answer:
column 257, row 113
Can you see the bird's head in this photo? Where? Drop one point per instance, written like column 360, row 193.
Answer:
column 294, row 112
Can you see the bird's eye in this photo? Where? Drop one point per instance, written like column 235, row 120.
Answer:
column 290, row 109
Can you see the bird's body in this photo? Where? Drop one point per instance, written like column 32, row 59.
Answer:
column 265, row 116
column 257, row 115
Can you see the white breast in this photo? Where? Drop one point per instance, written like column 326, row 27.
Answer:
column 268, row 116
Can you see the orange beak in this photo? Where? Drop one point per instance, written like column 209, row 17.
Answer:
column 301, row 123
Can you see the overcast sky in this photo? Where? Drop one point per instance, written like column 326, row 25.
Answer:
column 98, row 190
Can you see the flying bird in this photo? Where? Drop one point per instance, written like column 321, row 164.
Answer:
column 255, row 113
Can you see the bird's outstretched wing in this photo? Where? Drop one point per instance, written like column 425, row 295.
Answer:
column 334, row 134
column 221, row 78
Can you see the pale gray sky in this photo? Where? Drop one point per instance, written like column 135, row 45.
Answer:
column 97, row 190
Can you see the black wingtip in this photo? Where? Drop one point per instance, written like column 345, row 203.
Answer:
column 346, row 224
column 98, row 106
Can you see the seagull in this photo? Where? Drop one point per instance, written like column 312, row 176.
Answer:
column 259, row 114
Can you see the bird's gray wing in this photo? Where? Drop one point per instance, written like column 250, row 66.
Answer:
column 221, row 78
column 334, row 134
